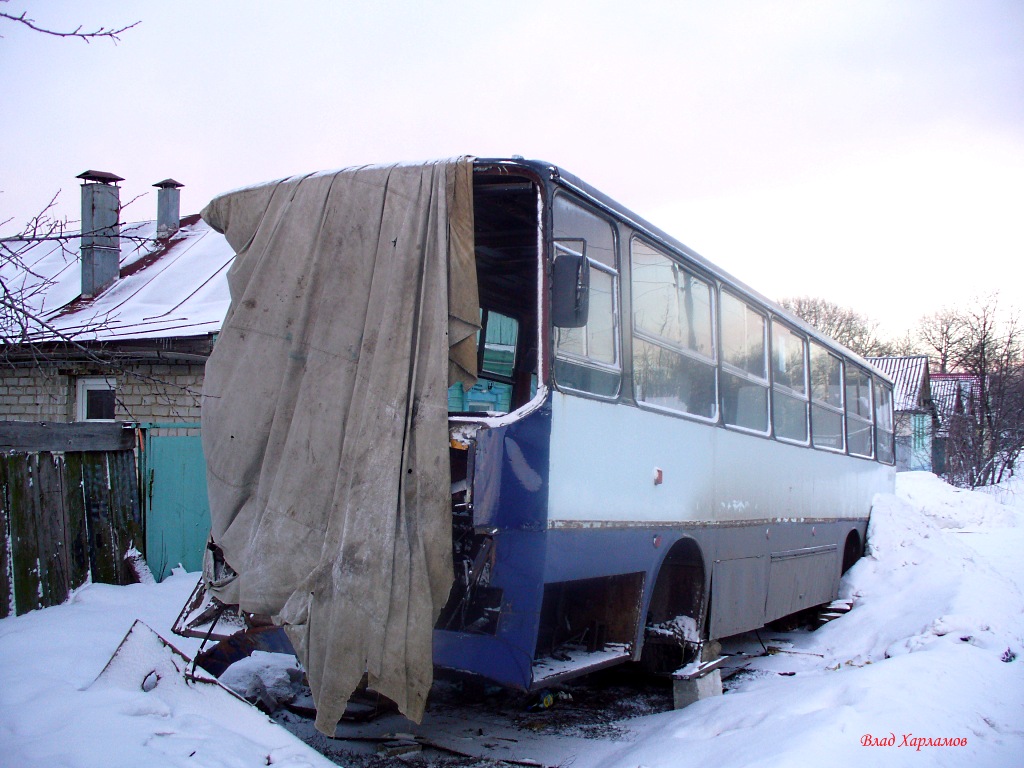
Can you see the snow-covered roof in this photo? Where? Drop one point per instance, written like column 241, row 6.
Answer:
column 166, row 289
column 910, row 380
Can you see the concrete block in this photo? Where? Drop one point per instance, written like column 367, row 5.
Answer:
column 686, row 692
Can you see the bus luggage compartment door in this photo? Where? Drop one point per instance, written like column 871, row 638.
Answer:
column 738, row 595
column 801, row 578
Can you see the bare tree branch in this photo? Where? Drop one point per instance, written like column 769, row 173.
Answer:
column 851, row 329
column 29, row 332
column 25, row 321
column 77, row 32
column 985, row 343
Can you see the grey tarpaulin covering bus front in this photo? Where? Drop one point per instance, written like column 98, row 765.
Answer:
column 353, row 303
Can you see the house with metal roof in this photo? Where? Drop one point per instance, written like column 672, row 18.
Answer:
column 136, row 304
column 112, row 326
column 956, row 403
column 915, row 414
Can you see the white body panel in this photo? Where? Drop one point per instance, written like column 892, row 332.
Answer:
column 605, row 456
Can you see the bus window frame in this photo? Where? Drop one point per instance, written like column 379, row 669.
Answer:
column 876, row 383
column 783, row 389
column 733, row 370
column 591, row 362
column 870, row 421
column 840, row 409
column 634, row 333
column 615, row 272
column 624, row 231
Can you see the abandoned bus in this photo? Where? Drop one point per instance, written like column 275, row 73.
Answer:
column 653, row 456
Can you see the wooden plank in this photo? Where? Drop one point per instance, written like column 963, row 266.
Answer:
column 57, row 436
column 38, row 531
column 24, row 538
column 70, row 517
column 125, row 511
column 77, row 527
column 102, row 542
column 692, row 671
column 6, row 586
column 51, row 530
column 113, row 518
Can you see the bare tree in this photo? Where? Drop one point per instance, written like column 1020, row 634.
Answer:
column 19, row 283
column 23, row 316
column 851, row 329
column 906, row 345
column 940, row 333
column 984, row 342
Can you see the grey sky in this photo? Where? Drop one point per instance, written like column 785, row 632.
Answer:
column 869, row 152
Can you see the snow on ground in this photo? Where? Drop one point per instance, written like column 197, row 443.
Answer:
column 927, row 668
column 54, row 712
column 933, row 649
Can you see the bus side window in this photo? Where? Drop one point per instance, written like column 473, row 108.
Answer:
column 673, row 335
column 826, row 399
column 587, row 358
column 744, row 384
column 883, row 422
column 789, row 384
column 859, row 412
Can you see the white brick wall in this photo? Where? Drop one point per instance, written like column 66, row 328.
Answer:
column 40, row 395
column 145, row 393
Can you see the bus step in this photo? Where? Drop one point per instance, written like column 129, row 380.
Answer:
column 573, row 660
column 826, row 616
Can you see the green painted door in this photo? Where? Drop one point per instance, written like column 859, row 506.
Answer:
column 177, row 511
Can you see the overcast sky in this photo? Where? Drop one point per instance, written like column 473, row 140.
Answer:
column 868, row 152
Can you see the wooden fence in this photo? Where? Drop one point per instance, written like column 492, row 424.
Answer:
column 68, row 508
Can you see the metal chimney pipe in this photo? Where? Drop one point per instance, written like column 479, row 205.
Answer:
column 168, row 208
column 101, row 231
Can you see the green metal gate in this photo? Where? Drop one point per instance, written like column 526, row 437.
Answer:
column 176, row 509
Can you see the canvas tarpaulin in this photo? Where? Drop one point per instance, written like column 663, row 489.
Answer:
column 353, row 302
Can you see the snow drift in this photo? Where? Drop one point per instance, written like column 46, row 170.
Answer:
column 933, row 649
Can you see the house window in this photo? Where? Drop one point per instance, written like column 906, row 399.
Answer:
column 95, row 398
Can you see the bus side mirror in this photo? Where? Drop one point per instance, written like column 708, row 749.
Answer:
column 570, row 290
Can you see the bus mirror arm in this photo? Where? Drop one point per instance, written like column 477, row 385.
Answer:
column 570, row 290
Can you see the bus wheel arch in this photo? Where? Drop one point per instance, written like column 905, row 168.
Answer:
column 853, row 550
column 680, row 590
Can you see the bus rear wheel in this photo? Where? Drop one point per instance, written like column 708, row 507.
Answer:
column 852, row 551
column 674, row 632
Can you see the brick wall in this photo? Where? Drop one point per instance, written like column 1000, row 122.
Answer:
column 34, row 394
column 144, row 393
column 160, row 393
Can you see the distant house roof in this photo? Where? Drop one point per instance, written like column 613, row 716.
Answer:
column 165, row 289
column 911, row 385
column 954, row 393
